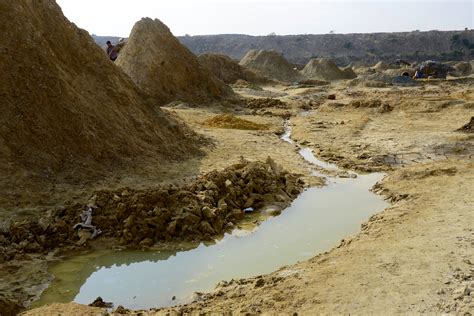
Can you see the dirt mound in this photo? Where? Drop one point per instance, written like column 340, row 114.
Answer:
column 66, row 111
column 270, row 64
column 165, row 69
column 325, row 69
column 349, row 72
column 207, row 207
column 381, row 66
column 463, row 68
column 469, row 127
column 227, row 70
column 232, row 122
column 266, row 103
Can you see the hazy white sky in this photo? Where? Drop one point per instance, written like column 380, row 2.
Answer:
column 261, row 17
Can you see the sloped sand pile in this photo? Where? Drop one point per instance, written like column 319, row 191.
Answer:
column 468, row 127
column 228, row 70
column 270, row 64
column 67, row 112
column 232, row 122
column 326, row 69
column 380, row 66
column 165, row 69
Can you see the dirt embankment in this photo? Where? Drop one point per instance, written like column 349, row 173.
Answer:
column 165, row 69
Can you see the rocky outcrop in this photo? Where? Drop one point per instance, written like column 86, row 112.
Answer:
column 165, row 69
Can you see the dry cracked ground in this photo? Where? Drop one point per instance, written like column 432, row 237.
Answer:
column 417, row 256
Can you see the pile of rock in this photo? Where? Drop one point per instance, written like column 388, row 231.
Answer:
column 205, row 208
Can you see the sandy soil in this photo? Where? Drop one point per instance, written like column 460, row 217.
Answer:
column 417, row 255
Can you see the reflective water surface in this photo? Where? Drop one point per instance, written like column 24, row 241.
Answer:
column 314, row 223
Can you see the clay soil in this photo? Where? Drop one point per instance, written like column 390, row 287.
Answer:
column 417, row 256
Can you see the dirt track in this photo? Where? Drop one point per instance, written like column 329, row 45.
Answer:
column 417, row 255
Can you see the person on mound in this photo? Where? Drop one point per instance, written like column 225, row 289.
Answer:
column 111, row 51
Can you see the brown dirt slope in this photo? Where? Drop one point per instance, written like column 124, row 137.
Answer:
column 227, row 70
column 326, row 69
column 270, row 64
column 164, row 68
column 66, row 110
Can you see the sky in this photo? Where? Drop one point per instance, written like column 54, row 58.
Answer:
column 262, row 17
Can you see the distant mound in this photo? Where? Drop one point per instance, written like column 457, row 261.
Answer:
column 270, row 64
column 66, row 110
column 463, row 68
column 165, row 69
column 349, row 72
column 381, row 66
column 326, row 69
column 228, row 70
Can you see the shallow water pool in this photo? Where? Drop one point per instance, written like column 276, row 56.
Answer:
column 314, row 223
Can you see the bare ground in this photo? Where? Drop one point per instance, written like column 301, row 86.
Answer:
column 417, row 256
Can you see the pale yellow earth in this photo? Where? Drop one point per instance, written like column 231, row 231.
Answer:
column 417, row 256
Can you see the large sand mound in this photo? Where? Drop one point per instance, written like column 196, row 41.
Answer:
column 326, row 69
column 66, row 110
column 270, row 64
column 227, row 70
column 164, row 68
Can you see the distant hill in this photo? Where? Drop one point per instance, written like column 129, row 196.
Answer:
column 343, row 48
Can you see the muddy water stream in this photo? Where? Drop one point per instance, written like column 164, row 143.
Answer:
column 315, row 222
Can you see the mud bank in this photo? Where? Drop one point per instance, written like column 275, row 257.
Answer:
column 138, row 219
